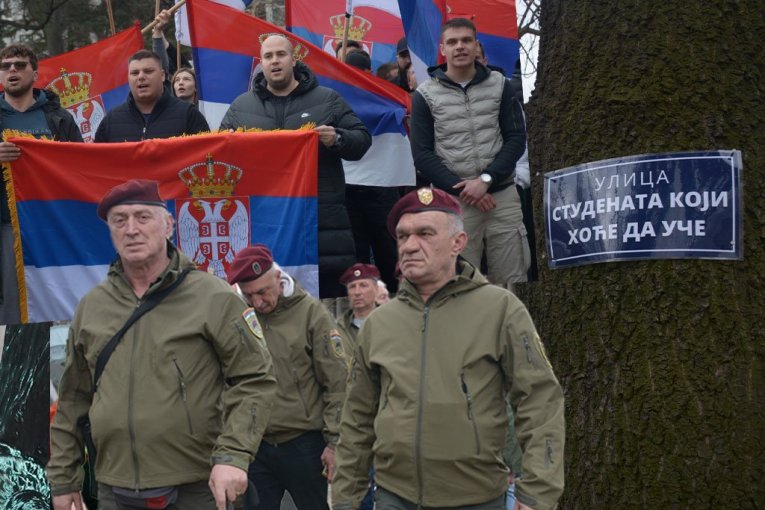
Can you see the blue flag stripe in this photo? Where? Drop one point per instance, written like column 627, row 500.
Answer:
column 68, row 232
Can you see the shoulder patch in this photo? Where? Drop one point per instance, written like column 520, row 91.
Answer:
column 336, row 342
column 251, row 319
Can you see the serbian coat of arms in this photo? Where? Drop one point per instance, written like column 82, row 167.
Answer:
column 213, row 224
column 73, row 90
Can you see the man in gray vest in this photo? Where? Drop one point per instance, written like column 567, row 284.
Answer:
column 467, row 134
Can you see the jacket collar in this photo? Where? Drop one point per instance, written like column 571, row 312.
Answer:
column 467, row 278
column 439, row 73
column 306, row 81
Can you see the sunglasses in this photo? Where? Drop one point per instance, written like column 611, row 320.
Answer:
column 20, row 65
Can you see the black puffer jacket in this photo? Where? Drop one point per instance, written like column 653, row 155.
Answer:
column 310, row 102
column 171, row 117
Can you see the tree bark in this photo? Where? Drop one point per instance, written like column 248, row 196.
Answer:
column 661, row 361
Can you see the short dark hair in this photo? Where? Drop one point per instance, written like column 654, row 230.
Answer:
column 385, row 69
column 19, row 50
column 143, row 54
column 459, row 23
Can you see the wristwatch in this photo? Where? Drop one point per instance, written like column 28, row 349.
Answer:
column 338, row 138
column 486, row 178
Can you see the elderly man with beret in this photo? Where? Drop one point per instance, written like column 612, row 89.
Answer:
column 361, row 282
column 182, row 401
column 426, row 392
column 310, row 366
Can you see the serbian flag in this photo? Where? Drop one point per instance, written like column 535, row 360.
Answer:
column 376, row 24
column 223, row 199
column 182, row 18
column 497, row 26
column 91, row 80
column 423, row 20
column 226, row 47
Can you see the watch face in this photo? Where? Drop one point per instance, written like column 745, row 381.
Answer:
column 486, row 178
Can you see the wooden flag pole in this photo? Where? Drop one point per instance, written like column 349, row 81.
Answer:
column 156, row 8
column 110, row 13
column 170, row 11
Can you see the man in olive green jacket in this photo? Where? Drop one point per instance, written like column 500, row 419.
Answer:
column 360, row 281
column 189, row 386
column 426, row 392
column 310, row 366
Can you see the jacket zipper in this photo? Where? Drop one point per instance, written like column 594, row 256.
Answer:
column 131, row 425
column 470, row 416
column 420, row 400
column 527, row 345
column 183, row 395
column 243, row 338
column 300, row 393
column 253, row 428
column 548, row 453
column 474, row 145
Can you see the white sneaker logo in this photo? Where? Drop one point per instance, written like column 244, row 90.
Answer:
column 304, row 115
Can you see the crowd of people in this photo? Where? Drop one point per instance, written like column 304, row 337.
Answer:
column 239, row 396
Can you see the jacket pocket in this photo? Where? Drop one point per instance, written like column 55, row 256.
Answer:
column 300, row 393
column 470, row 416
column 548, row 453
column 184, row 396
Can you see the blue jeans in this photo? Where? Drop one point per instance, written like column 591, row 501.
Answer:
column 511, row 496
column 293, row 466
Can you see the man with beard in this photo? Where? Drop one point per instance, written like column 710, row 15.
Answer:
column 286, row 95
column 39, row 113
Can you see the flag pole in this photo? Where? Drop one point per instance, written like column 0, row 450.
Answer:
column 156, row 8
column 110, row 13
column 170, row 11
column 348, row 18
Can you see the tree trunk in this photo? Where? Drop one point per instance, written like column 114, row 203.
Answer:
column 661, row 361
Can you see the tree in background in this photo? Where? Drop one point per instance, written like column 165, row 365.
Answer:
column 661, row 361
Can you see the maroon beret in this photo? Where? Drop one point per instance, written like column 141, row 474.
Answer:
column 250, row 264
column 423, row 199
column 359, row 271
column 134, row 191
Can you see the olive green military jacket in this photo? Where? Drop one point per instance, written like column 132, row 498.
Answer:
column 189, row 385
column 349, row 332
column 426, row 400
column 310, row 367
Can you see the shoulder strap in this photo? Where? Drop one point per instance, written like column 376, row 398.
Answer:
column 147, row 304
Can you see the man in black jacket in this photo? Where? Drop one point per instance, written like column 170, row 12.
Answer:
column 39, row 113
column 286, row 95
column 150, row 111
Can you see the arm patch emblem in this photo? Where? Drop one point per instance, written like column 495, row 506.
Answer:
column 251, row 319
column 336, row 342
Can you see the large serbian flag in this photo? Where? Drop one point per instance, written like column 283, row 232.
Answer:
column 91, row 80
column 182, row 18
column 226, row 46
column 376, row 24
column 222, row 197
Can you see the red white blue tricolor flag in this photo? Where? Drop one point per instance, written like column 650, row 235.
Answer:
column 376, row 24
column 226, row 47
column 222, row 198
column 182, row 18
column 91, row 80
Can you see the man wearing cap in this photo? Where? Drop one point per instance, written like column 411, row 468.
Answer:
column 183, row 400
column 311, row 370
column 467, row 134
column 361, row 282
column 429, row 378
column 404, row 61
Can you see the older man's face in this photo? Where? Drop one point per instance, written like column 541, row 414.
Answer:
column 427, row 247
column 263, row 294
column 139, row 232
column 362, row 294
